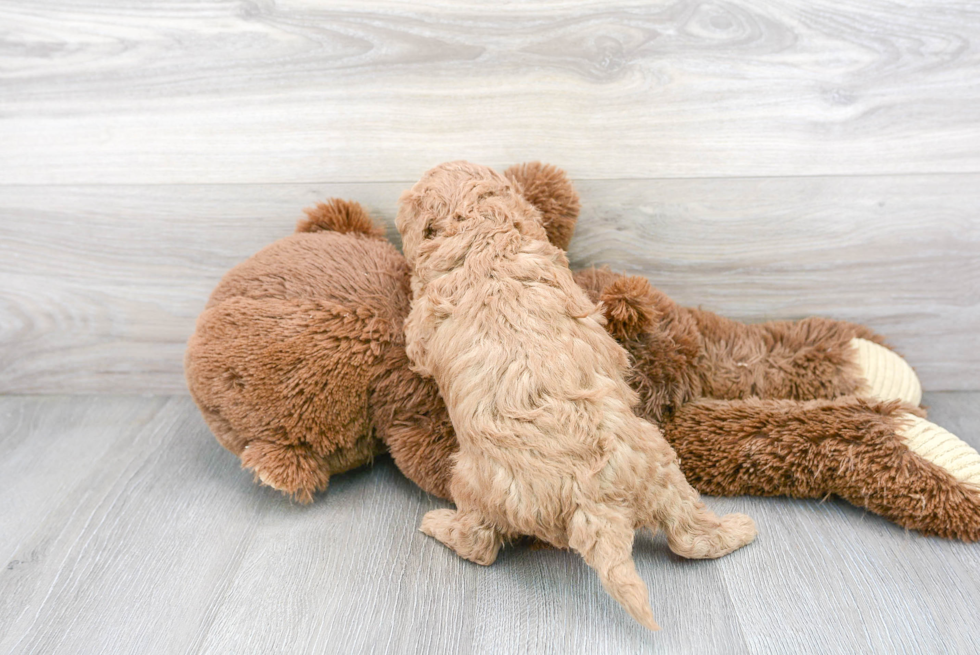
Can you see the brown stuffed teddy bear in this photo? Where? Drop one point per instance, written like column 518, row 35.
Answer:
column 298, row 365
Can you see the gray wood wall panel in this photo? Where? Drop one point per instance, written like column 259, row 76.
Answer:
column 152, row 540
column 100, row 286
column 300, row 91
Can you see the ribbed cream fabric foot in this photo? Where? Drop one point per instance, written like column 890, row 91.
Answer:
column 942, row 448
column 889, row 376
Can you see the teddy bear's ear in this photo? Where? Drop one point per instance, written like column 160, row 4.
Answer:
column 550, row 191
column 336, row 215
column 629, row 304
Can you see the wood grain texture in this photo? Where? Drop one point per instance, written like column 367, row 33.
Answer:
column 100, row 286
column 126, row 528
column 296, row 91
column 848, row 581
column 767, row 159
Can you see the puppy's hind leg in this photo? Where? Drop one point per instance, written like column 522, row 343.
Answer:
column 605, row 542
column 692, row 530
column 465, row 533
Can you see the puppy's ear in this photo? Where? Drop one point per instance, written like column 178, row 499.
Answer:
column 629, row 304
column 550, row 191
column 336, row 215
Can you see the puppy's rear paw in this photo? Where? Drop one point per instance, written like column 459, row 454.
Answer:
column 463, row 533
column 713, row 537
column 739, row 530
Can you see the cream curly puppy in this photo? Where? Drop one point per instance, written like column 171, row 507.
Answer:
column 549, row 445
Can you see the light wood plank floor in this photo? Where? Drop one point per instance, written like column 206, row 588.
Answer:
column 127, row 529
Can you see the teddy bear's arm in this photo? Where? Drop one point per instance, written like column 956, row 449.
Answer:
column 630, row 306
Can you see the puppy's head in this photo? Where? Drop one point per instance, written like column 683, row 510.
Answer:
column 459, row 197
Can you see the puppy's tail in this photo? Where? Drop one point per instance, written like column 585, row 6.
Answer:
column 336, row 215
column 605, row 542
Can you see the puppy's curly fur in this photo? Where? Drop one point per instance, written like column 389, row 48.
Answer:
column 549, row 445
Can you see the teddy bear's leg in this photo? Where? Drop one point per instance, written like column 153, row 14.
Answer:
column 876, row 455
column 941, row 447
column 464, row 532
column 887, row 376
column 300, row 469
column 604, row 539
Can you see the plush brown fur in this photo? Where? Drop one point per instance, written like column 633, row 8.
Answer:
column 547, row 188
column 786, row 448
column 681, row 354
column 685, row 362
column 341, row 216
column 549, row 443
column 289, row 324
column 298, row 361
column 784, row 415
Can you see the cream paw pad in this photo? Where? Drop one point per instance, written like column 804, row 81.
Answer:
column 889, row 377
column 942, row 448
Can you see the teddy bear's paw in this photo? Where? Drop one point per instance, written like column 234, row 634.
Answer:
column 888, row 376
column 291, row 469
column 942, row 448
